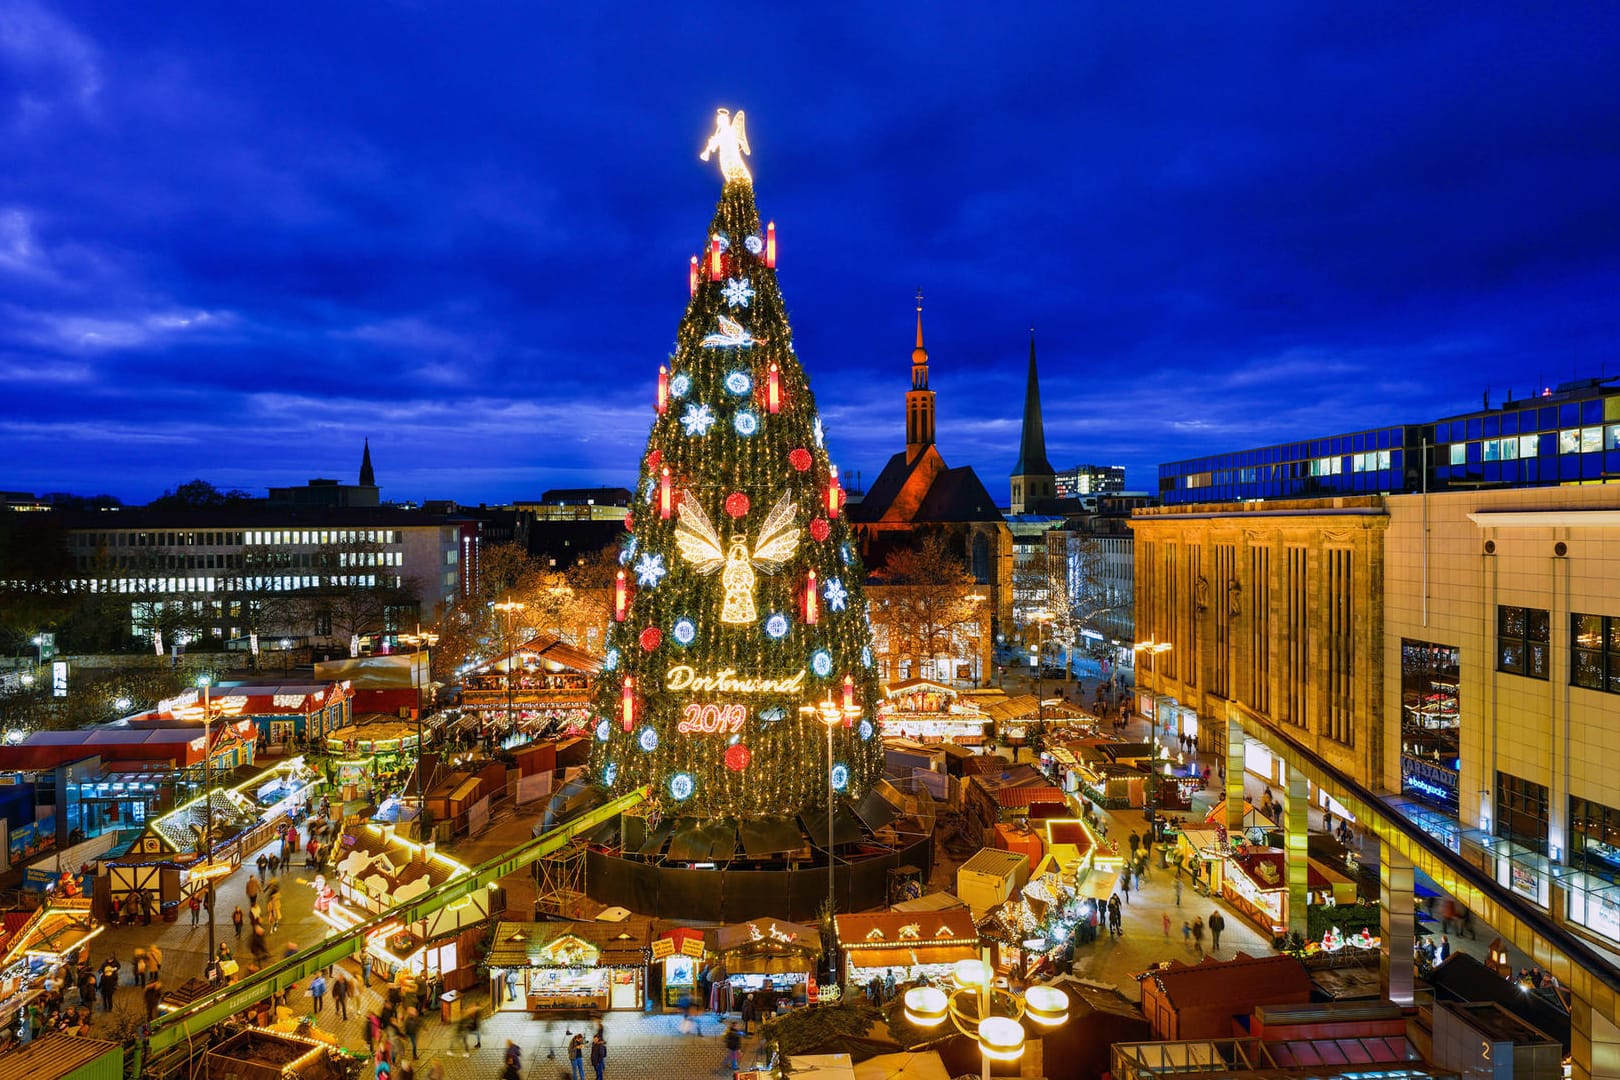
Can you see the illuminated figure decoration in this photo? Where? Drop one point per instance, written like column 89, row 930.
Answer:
column 731, row 334
column 700, row 545
column 730, row 140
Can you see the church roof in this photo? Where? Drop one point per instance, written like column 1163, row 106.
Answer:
column 955, row 495
column 1032, row 446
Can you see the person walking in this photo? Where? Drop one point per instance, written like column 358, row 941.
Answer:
column 195, row 904
column 413, row 1025
column 1217, row 923
column 253, row 886
column 748, row 1014
column 365, row 969
column 1166, row 918
column 1125, row 884
column 140, row 967
column 275, row 864
column 598, row 1053
column 340, row 995
column 152, row 994
column 261, row 861
column 1198, row 934
column 236, row 921
column 1186, row 934
column 317, row 991
column 1178, row 890
column 733, row 1047
column 108, row 985
column 469, row 1029
column 576, row 1054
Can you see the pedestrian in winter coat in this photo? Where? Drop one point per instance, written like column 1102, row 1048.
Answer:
column 237, row 920
column 107, row 984
column 1166, row 918
column 317, row 991
column 340, row 995
column 733, row 1047
column 252, row 890
column 1198, row 933
column 261, row 862
column 598, row 1054
column 1217, row 923
column 152, row 994
column 1186, row 934
column 576, row 1055
column 275, row 864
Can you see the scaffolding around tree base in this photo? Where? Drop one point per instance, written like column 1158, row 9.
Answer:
column 560, row 884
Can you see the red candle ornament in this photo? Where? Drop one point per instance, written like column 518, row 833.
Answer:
column 666, row 496
column 716, row 260
column 663, row 389
column 770, row 245
column 835, row 493
column 627, row 704
column 773, row 391
column 692, row 277
column 849, row 701
column 621, row 598
column 812, row 602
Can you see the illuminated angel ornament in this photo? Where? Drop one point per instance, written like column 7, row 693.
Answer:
column 730, row 140
column 700, row 545
column 732, row 334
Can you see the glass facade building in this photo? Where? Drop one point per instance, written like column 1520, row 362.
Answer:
column 1570, row 435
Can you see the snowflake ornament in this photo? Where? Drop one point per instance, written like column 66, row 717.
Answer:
column 698, row 419
column 745, row 422
column 866, row 730
column 737, row 291
column 866, row 655
column 739, row 383
column 610, row 773
column 650, row 570
column 648, row 739
column 840, row 776
column 776, row 627
column 680, row 386
column 603, row 730
column 837, row 595
column 611, row 660
column 821, row 663
column 681, row 786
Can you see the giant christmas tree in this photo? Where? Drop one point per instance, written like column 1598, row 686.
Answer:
column 740, row 634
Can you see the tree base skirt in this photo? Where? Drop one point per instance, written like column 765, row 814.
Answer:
column 732, row 896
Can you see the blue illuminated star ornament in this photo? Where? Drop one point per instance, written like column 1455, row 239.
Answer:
column 739, row 383
column 737, row 291
column 776, row 627
column 650, row 569
column 648, row 739
column 603, row 730
column 837, row 595
column 840, row 776
column 610, row 773
column 821, row 663
column 845, row 555
column 681, row 786
column 745, row 422
column 680, row 385
column 685, row 631
column 866, row 730
column 698, row 419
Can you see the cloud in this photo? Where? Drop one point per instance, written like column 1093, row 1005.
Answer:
column 52, row 65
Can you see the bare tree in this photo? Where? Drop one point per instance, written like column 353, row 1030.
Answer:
column 925, row 605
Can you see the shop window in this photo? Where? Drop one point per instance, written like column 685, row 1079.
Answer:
column 1522, row 641
column 1594, row 838
column 1594, row 655
column 1521, row 812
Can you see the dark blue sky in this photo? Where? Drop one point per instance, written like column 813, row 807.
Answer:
column 235, row 239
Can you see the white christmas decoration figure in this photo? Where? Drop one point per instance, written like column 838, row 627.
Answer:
column 698, row 419
column 700, row 545
column 837, row 595
column 737, row 292
column 650, row 569
column 730, row 139
column 731, row 333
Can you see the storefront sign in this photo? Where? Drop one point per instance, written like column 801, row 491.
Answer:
column 691, row 946
column 727, row 681
column 663, row 948
column 712, row 719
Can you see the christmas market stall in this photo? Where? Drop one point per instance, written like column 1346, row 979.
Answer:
column 905, row 945
column 931, row 712
column 167, row 863
column 1033, row 928
column 1203, row 852
column 677, row 957
column 767, row 954
column 1257, row 885
column 543, row 967
column 540, row 689
column 52, row 935
column 377, row 870
column 989, row 877
column 376, row 746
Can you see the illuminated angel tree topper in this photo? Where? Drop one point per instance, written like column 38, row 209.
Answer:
column 742, row 625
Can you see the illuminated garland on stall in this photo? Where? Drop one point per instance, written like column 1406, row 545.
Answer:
column 741, row 613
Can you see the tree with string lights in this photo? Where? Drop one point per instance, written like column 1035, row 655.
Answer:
column 739, row 635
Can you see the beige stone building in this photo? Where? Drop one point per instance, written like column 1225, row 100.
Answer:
column 1274, row 609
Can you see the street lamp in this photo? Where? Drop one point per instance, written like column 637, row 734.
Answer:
column 206, row 682
column 510, row 608
column 987, row 1015
column 831, row 715
column 1041, row 618
column 428, row 639
column 1153, row 649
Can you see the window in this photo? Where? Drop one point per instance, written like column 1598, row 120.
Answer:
column 1521, row 812
column 1522, row 636
column 1594, row 837
column 1459, row 453
column 1594, row 654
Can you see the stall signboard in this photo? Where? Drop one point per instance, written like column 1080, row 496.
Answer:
column 663, row 948
column 693, row 947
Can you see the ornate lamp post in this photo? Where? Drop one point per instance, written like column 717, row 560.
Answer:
column 206, row 682
column 510, row 608
column 831, row 715
column 987, row 1015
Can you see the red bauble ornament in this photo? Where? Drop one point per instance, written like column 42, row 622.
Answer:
column 655, row 459
column 651, row 637
column 819, row 529
column 800, row 459
column 629, row 523
column 737, row 757
column 736, row 504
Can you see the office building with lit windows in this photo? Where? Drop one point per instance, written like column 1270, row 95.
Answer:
column 1566, row 435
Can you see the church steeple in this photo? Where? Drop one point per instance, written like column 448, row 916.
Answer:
column 1033, row 477
column 367, row 477
column 919, row 399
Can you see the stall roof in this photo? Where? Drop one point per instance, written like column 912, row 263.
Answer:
column 846, row 830
column 1268, row 868
column 767, row 936
column 1028, row 796
column 874, row 810
column 907, row 1065
column 905, row 938
column 56, row 1055
column 934, row 901
column 1098, row 885
column 995, row 862
column 522, row 944
column 1237, row 979
column 656, row 837
column 763, row 837
column 61, row 925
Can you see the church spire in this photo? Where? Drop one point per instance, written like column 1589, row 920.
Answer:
column 1033, row 477
column 367, row 477
column 920, row 399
